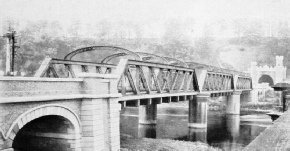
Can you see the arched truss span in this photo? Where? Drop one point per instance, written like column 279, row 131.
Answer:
column 44, row 110
column 152, row 57
column 177, row 62
column 107, row 59
column 111, row 50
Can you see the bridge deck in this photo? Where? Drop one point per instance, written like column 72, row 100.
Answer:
column 275, row 137
column 156, row 95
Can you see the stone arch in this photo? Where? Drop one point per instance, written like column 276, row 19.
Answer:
column 265, row 78
column 44, row 111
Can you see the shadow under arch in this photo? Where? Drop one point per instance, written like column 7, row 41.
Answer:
column 101, row 54
column 266, row 79
column 45, row 123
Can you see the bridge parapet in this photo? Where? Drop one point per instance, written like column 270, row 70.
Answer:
column 32, row 87
column 243, row 83
column 216, row 69
column 135, row 77
column 27, row 89
column 58, row 68
column 218, row 82
column 147, row 78
column 140, row 77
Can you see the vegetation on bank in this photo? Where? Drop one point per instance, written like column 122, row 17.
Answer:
column 148, row 144
column 217, row 105
column 40, row 39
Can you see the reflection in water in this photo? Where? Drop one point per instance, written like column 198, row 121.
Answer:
column 228, row 132
column 147, row 131
column 233, row 126
column 197, row 134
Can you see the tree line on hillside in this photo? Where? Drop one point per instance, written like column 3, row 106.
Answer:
column 40, row 39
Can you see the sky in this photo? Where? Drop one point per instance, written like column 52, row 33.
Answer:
column 141, row 10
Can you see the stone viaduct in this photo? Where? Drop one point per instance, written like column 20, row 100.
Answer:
column 74, row 105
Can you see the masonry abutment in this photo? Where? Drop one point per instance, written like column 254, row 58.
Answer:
column 100, row 117
column 233, row 103
column 148, row 114
column 198, row 106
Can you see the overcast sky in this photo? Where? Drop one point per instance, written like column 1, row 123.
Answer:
column 142, row 10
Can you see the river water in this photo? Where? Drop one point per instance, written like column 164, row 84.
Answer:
column 228, row 132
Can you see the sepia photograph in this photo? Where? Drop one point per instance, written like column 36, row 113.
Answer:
column 144, row 75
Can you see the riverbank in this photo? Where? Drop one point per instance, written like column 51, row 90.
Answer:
column 148, row 144
column 275, row 137
column 172, row 124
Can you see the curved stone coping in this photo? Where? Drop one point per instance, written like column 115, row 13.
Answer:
column 40, row 79
column 60, row 97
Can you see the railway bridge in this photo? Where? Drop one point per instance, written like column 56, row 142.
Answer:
column 74, row 105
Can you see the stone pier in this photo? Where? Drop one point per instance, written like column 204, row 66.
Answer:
column 198, row 106
column 233, row 103
column 147, row 114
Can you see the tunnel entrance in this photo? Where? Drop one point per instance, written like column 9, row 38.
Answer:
column 266, row 79
column 47, row 133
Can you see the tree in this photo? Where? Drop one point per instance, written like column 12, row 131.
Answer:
column 175, row 43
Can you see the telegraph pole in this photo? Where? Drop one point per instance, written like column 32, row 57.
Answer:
column 10, row 52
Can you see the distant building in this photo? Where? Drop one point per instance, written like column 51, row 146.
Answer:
column 263, row 77
column 268, row 74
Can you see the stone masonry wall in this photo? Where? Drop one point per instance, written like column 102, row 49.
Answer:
column 9, row 112
column 100, row 124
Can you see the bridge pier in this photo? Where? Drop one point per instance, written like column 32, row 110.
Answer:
column 147, row 114
column 198, row 106
column 233, row 125
column 233, row 103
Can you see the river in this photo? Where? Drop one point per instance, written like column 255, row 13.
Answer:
column 228, row 132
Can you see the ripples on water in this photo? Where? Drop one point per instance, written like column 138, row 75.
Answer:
column 228, row 132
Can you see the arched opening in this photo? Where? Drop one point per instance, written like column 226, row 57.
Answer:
column 46, row 133
column 266, row 79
